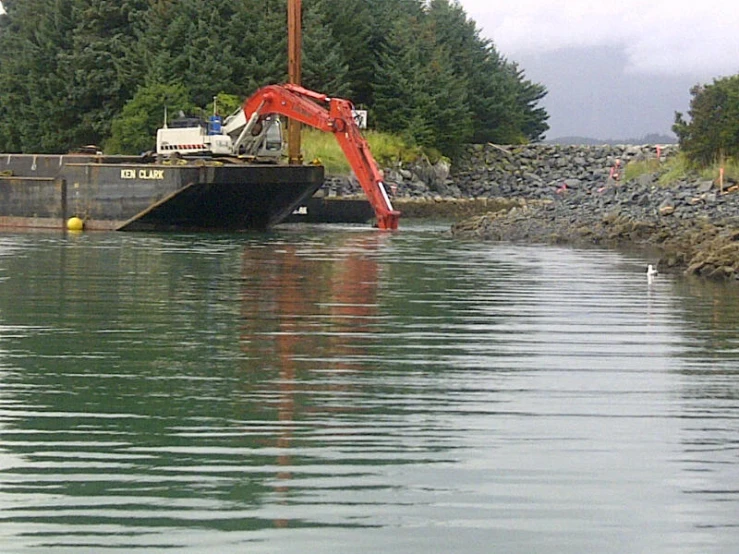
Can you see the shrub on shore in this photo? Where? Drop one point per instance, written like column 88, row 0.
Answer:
column 711, row 134
column 679, row 169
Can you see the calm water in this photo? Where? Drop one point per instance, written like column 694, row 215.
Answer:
column 342, row 390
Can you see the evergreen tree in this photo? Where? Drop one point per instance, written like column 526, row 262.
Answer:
column 61, row 72
column 398, row 88
column 713, row 130
column 34, row 61
column 445, row 106
column 532, row 119
column 262, row 45
column 256, row 36
column 103, row 73
column 350, row 24
column 324, row 68
column 181, row 44
column 502, row 102
column 11, row 90
column 417, row 92
column 361, row 29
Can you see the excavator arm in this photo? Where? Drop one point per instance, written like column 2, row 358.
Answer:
column 303, row 105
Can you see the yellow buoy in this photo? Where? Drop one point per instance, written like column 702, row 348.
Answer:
column 75, row 224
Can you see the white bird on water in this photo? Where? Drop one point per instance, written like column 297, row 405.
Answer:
column 651, row 272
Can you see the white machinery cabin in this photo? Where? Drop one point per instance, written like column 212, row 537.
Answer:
column 262, row 141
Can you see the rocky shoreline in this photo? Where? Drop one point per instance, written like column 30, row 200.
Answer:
column 576, row 195
column 692, row 225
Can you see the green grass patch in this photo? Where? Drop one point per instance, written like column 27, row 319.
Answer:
column 635, row 169
column 678, row 168
column 322, row 147
column 387, row 150
column 731, row 171
column 673, row 169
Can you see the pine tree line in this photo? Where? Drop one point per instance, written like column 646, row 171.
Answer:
column 76, row 72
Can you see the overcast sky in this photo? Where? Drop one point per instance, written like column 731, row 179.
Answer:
column 614, row 69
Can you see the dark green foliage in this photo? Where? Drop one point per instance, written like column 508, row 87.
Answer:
column 258, row 36
column 134, row 130
column 713, row 130
column 445, row 103
column 417, row 92
column 503, row 103
column 63, row 72
column 532, row 117
column 324, row 67
column 34, row 66
column 102, row 71
column 398, row 81
column 181, row 42
column 76, row 72
column 352, row 27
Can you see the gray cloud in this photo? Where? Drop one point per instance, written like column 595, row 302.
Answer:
column 590, row 94
column 659, row 36
column 614, row 69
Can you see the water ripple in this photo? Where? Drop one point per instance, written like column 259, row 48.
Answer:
column 334, row 390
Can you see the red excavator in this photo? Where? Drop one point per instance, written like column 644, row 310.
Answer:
column 254, row 131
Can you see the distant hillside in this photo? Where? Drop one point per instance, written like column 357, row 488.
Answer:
column 652, row 138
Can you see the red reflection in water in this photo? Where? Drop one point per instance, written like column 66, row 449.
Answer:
column 306, row 306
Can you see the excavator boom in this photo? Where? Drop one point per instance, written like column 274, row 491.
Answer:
column 304, row 105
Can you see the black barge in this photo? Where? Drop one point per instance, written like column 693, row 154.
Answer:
column 129, row 193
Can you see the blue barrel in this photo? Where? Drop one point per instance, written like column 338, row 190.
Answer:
column 214, row 125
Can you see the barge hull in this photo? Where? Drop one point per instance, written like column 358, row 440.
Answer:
column 333, row 209
column 129, row 193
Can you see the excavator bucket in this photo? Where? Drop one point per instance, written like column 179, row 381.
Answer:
column 388, row 221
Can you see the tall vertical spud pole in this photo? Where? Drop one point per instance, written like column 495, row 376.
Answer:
column 294, row 46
